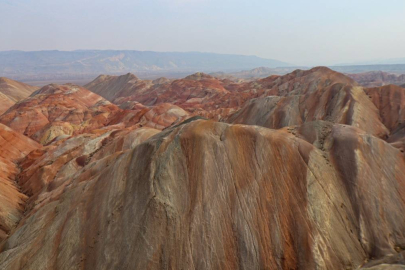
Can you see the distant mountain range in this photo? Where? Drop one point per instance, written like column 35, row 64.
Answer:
column 82, row 66
column 392, row 61
column 67, row 64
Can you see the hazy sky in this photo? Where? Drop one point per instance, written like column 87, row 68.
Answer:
column 300, row 32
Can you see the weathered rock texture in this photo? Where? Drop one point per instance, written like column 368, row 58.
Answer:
column 308, row 173
column 12, row 91
column 13, row 147
column 209, row 195
column 318, row 94
column 57, row 110
column 390, row 101
column 112, row 87
column 204, row 95
column 199, row 94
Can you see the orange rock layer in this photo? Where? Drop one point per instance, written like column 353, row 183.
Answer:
column 303, row 171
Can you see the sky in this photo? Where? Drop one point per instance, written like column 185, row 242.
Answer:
column 300, row 32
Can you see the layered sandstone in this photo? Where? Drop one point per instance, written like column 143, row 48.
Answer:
column 13, row 148
column 308, row 173
column 12, row 91
column 198, row 94
column 251, row 196
column 57, row 110
column 112, row 87
column 317, row 94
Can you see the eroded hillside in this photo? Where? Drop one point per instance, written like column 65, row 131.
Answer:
column 300, row 171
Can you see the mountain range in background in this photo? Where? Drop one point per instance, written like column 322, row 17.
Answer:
column 82, row 66
column 83, row 63
column 391, row 61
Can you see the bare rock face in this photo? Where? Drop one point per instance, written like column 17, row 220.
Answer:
column 204, row 95
column 57, row 110
column 391, row 262
column 198, row 94
column 163, row 115
column 53, row 164
column 335, row 102
column 112, row 87
column 12, row 91
column 5, row 103
column 390, row 101
column 308, row 173
column 208, row 195
column 13, row 147
column 302, row 82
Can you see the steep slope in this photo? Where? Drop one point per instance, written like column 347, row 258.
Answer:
column 207, row 195
column 112, row 87
column 12, row 91
column 292, row 99
column 390, row 101
column 53, row 164
column 13, row 147
column 301, row 82
column 316, row 94
column 5, row 103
